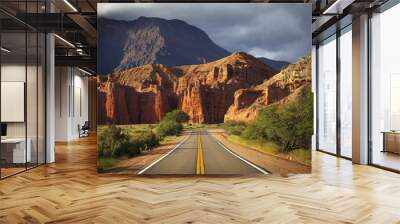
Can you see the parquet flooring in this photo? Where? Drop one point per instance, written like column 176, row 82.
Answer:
column 71, row 191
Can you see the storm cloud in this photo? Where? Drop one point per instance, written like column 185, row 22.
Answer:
column 275, row 31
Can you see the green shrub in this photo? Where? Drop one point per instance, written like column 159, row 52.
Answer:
column 234, row 127
column 269, row 121
column 290, row 126
column 168, row 127
column 111, row 141
column 131, row 148
column 145, row 139
column 253, row 131
column 178, row 116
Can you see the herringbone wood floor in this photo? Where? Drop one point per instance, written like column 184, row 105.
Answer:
column 70, row 191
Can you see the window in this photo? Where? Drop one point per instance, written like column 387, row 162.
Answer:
column 345, row 43
column 385, row 89
column 327, row 95
column 22, row 77
column 334, row 71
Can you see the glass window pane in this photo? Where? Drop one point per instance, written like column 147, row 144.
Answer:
column 327, row 95
column 23, row 85
column 13, row 86
column 385, row 80
column 346, row 93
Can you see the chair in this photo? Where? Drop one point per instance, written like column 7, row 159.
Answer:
column 84, row 130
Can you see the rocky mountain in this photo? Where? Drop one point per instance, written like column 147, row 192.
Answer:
column 205, row 91
column 277, row 65
column 128, row 44
column 281, row 88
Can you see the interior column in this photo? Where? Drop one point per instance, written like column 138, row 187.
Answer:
column 360, row 90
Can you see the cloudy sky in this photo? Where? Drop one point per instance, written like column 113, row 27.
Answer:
column 275, row 31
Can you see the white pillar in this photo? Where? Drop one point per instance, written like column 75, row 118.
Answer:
column 314, row 90
column 360, row 89
column 50, row 98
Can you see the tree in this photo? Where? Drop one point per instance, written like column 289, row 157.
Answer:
column 178, row 116
column 168, row 127
column 291, row 125
column 111, row 141
column 254, row 131
column 234, row 127
column 288, row 125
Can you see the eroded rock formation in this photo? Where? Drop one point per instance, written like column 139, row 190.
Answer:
column 281, row 88
column 232, row 88
column 205, row 91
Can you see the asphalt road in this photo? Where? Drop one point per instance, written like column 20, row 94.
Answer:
column 200, row 153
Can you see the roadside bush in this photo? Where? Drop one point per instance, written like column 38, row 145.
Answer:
column 290, row 126
column 145, row 140
column 234, row 127
column 253, row 131
column 178, row 116
column 168, row 127
column 130, row 148
column 112, row 141
column 171, row 124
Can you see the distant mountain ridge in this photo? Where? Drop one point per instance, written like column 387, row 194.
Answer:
column 147, row 40
column 153, row 41
column 277, row 65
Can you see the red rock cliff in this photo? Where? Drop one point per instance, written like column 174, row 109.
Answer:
column 205, row 91
column 279, row 89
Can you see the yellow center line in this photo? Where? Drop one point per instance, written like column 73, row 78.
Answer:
column 200, row 161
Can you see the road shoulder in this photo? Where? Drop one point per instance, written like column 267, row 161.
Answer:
column 274, row 164
column 136, row 164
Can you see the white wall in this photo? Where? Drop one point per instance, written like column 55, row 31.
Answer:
column 62, row 81
column 71, row 102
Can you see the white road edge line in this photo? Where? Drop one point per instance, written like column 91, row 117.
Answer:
column 158, row 160
column 241, row 158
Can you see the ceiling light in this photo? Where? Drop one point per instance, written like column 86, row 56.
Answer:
column 64, row 40
column 84, row 71
column 70, row 5
column 5, row 50
column 338, row 6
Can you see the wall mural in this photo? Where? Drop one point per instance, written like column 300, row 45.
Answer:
column 204, row 89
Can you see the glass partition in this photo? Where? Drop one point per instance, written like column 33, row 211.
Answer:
column 345, row 58
column 385, row 89
column 327, row 95
column 22, row 66
column 13, row 92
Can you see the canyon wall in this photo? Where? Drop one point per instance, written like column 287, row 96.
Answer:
column 234, row 87
column 280, row 89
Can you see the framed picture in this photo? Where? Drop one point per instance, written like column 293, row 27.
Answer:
column 204, row 88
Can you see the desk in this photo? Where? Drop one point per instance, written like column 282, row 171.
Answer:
column 391, row 141
column 13, row 150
